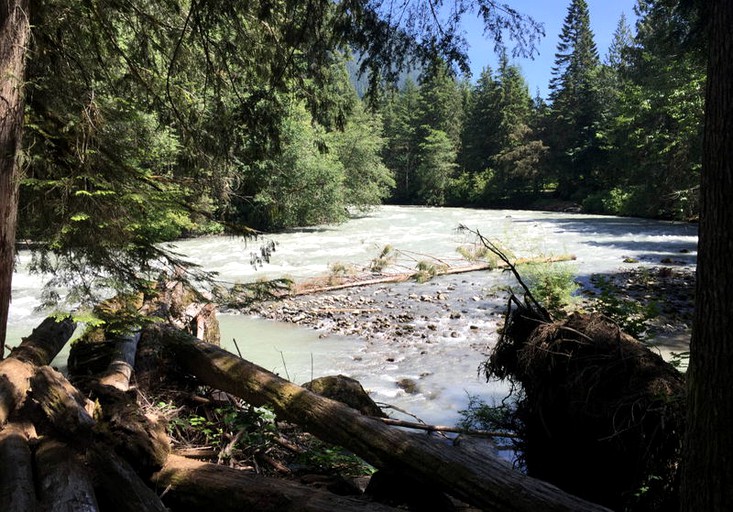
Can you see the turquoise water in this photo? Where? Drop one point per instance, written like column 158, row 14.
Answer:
column 445, row 371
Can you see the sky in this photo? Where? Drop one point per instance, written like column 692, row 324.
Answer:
column 604, row 16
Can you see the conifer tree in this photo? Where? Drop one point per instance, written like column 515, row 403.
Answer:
column 657, row 133
column 575, row 108
column 401, row 123
column 480, row 140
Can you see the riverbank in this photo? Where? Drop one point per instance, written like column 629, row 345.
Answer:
column 451, row 307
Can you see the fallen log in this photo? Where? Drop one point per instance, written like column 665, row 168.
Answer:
column 194, row 485
column 17, row 488
column 121, row 367
column 486, row 482
column 45, row 342
column 120, row 489
column 38, row 349
column 62, row 403
column 64, row 484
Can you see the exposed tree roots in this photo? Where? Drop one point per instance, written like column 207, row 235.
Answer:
column 601, row 415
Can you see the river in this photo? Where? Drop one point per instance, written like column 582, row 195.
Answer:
column 444, row 362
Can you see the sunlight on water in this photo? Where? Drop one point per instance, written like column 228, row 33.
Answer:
column 446, row 372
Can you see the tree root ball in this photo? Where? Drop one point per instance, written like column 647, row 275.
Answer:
column 601, row 415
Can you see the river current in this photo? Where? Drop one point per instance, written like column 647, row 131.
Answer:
column 445, row 369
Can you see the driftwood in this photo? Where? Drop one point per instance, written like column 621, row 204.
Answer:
column 309, row 288
column 488, row 483
column 193, row 485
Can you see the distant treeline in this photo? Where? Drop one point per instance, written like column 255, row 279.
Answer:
column 618, row 135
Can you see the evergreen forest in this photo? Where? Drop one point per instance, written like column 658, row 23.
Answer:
column 126, row 124
column 148, row 122
column 127, row 145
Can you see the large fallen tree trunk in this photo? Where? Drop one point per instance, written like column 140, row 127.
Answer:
column 488, row 483
column 17, row 488
column 193, row 485
column 38, row 349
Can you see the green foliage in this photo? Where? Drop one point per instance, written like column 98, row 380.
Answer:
column 575, row 109
column 473, row 252
column 386, row 258
column 226, row 429
column 479, row 415
column 367, row 181
column 245, row 294
column 552, row 284
column 334, row 460
column 426, row 270
column 302, row 186
column 613, row 202
column 437, row 162
column 632, row 316
column 401, row 153
column 480, row 137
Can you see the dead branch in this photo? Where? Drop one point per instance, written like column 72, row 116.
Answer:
column 445, row 428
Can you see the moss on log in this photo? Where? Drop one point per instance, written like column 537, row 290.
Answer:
column 488, row 483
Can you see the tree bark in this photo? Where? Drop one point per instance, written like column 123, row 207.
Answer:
column 38, row 349
column 14, row 32
column 195, row 485
column 62, row 403
column 120, row 489
column 488, row 483
column 17, row 488
column 122, row 365
column 64, row 484
column 708, row 450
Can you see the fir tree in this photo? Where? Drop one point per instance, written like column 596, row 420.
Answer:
column 575, row 108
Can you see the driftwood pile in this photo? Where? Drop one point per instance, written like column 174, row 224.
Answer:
column 62, row 448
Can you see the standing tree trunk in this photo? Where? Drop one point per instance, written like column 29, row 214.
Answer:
column 708, row 452
column 14, row 31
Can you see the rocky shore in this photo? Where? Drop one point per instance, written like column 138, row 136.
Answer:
column 460, row 306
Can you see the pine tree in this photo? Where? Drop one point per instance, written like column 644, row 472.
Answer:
column 401, row 123
column 480, row 141
column 575, row 108
column 518, row 161
column 657, row 133
column 437, row 164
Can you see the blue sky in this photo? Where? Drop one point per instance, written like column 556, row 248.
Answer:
column 604, row 16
